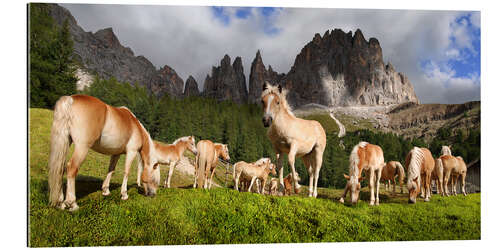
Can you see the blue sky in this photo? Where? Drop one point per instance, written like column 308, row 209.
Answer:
column 439, row 51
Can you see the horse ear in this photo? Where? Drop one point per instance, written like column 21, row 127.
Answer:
column 155, row 166
column 280, row 88
column 347, row 176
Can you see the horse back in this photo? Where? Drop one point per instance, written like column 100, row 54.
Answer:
column 88, row 116
column 428, row 163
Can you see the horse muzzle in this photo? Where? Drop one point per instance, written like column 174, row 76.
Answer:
column 267, row 120
column 411, row 201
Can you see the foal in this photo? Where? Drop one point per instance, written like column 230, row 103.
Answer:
column 171, row 154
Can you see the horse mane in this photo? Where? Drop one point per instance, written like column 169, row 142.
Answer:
column 262, row 161
column 417, row 156
column 184, row 138
column 270, row 89
column 354, row 159
column 445, row 150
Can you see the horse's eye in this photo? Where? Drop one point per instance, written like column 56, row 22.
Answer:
column 278, row 102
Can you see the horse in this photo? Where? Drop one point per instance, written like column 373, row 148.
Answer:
column 389, row 173
column 171, row 154
column 288, row 184
column 453, row 167
column 207, row 159
column 437, row 176
column 90, row 123
column 273, row 186
column 290, row 135
column 420, row 164
column 243, row 173
column 364, row 156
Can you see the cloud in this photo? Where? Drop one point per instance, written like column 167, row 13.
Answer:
column 193, row 39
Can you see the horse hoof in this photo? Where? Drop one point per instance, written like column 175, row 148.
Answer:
column 105, row 192
column 376, row 203
column 73, row 208
column 62, row 206
column 426, row 199
column 125, row 197
column 372, row 203
column 341, row 200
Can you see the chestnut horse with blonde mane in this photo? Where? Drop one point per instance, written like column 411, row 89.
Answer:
column 290, row 135
column 453, row 167
column 364, row 156
column 90, row 123
column 207, row 159
column 420, row 164
column 389, row 173
column 171, row 154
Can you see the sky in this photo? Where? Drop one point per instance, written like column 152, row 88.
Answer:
column 439, row 51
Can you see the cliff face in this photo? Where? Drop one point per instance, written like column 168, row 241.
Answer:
column 102, row 53
column 338, row 69
column 227, row 81
column 191, row 88
column 258, row 76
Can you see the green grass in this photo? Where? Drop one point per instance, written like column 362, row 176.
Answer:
column 188, row 216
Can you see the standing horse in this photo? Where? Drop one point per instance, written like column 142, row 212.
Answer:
column 90, row 123
column 437, row 176
column 364, row 156
column 171, row 154
column 290, row 135
column 420, row 164
column 207, row 159
column 453, row 167
column 389, row 173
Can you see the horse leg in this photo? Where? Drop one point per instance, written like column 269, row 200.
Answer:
column 129, row 158
column 445, row 184
column 251, row 184
column 211, row 178
column 427, row 187
column 291, row 161
column 74, row 163
column 139, row 172
column 377, row 184
column 170, row 172
column 236, row 181
column 307, row 163
column 454, row 180
column 463, row 183
column 393, row 185
column 279, row 162
column 317, row 167
column 111, row 169
column 344, row 194
column 372, row 188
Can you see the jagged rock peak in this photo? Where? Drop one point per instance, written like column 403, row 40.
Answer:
column 191, row 88
column 258, row 75
column 227, row 81
column 108, row 37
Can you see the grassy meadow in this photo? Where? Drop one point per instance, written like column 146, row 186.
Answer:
column 186, row 216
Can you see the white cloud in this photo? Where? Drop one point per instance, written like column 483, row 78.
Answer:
column 191, row 40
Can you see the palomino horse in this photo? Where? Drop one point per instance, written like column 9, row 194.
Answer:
column 364, row 156
column 293, row 136
column 171, row 154
column 420, row 164
column 453, row 167
column 244, row 173
column 90, row 123
column 288, row 184
column 207, row 159
column 437, row 175
column 389, row 173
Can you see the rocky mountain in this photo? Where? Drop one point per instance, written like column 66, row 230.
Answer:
column 191, row 88
column 227, row 82
column 102, row 53
column 339, row 69
column 258, row 75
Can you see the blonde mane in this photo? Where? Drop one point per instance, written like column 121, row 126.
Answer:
column 354, row 160
column 262, row 161
column 445, row 150
column 417, row 156
column 270, row 89
column 184, row 138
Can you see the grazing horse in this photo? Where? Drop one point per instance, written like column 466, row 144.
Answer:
column 364, row 156
column 90, row 123
column 207, row 159
column 290, row 135
column 171, row 154
column 420, row 164
column 389, row 173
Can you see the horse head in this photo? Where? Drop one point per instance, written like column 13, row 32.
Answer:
column 192, row 145
column 354, row 186
column 224, row 152
column 271, row 102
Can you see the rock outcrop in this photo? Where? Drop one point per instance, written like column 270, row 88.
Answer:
column 102, row 54
column 339, row 69
column 191, row 88
column 227, row 82
column 258, row 76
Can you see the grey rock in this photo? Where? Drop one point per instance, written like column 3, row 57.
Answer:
column 227, row 81
column 191, row 88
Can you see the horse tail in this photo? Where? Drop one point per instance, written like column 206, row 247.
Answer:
column 59, row 144
column 440, row 168
column 400, row 171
